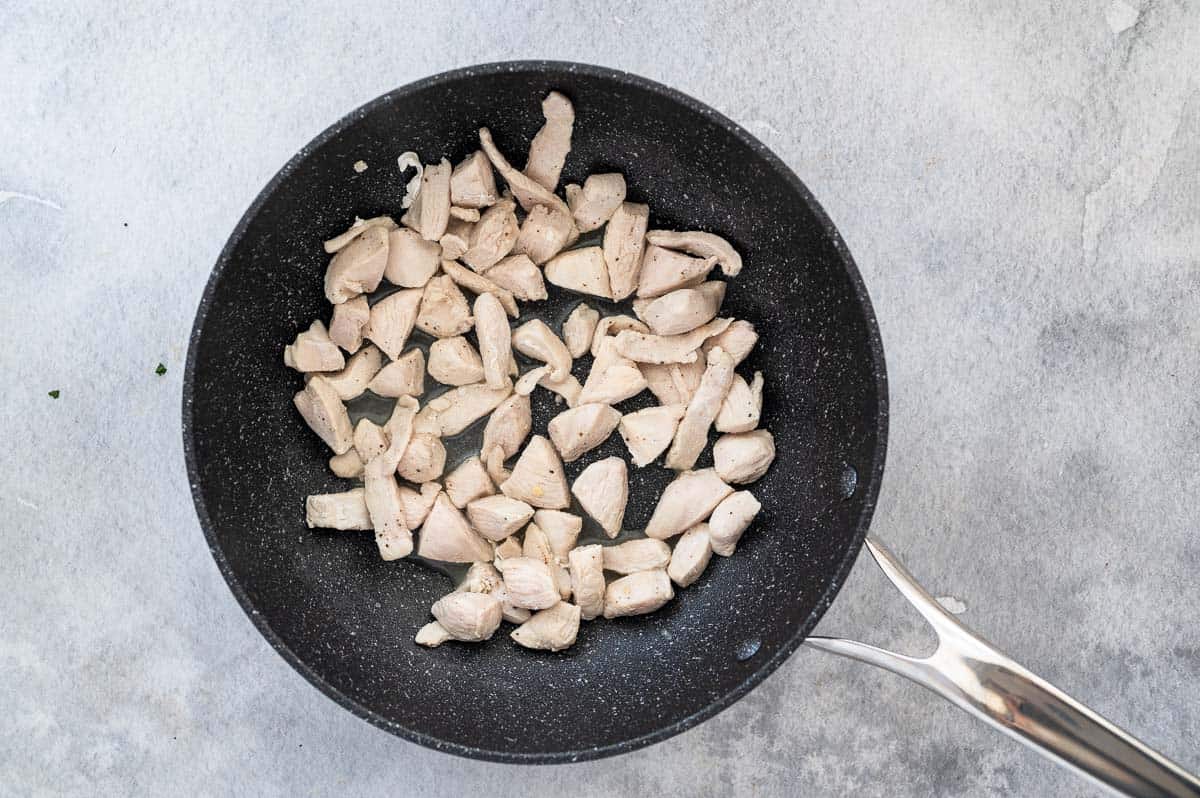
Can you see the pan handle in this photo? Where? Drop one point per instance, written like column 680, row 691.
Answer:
column 973, row 675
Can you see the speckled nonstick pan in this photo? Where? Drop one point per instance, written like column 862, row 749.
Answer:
column 346, row 619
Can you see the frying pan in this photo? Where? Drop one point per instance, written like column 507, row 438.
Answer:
column 345, row 619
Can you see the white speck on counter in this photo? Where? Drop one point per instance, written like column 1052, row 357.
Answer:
column 360, row 166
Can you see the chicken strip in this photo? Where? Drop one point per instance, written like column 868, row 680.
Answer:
column 692, row 435
column 468, row 482
column 492, row 237
column 668, row 348
column 549, row 148
column 545, row 232
column 742, row 408
column 536, row 340
column 446, row 536
column 641, row 554
column 738, row 339
column 382, row 494
column 349, row 320
column 691, row 556
column 603, row 490
column 472, row 184
column 459, row 408
column 469, row 617
column 497, row 517
column 637, row 594
column 359, row 372
column 647, row 433
column 552, row 629
column 411, row 260
column 358, row 267
column 345, row 511
column 360, row 226
column 580, row 270
column 538, row 477
column 611, row 326
column 323, row 411
column 404, row 376
column 370, row 441
column 744, row 456
column 688, row 500
column 684, row 309
column 703, row 245
column 664, row 270
column 528, row 192
column 579, row 328
column 478, row 284
column 391, row 321
column 517, row 274
column 623, row 243
column 453, row 361
column 587, row 579
column 444, row 310
column 495, row 340
column 595, row 203
column 313, row 351
column 430, row 211
column 581, row 429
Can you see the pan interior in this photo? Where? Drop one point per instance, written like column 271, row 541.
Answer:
column 346, row 619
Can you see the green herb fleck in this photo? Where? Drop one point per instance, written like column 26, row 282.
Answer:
column 54, row 394
column 161, row 370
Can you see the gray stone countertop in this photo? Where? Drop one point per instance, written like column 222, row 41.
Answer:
column 1019, row 183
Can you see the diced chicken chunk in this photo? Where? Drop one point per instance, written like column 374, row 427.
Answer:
column 688, row 500
column 691, row 556
column 492, row 237
column 347, row 465
column 545, row 232
column 446, row 536
column 527, row 191
column 593, row 204
column 393, row 537
column 613, row 378
column 404, row 376
column 360, row 370
column 478, row 284
column 581, row 270
column 456, row 239
column 647, row 433
column 552, row 629
column 495, row 340
column 313, row 351
column 562, row 530
column 581, row 429
column 737, row 340
column 459, row 408
column 360, row 226
column 369, row 440
column 530, row 582
column 744, row 456
column 392, row 320
column 323, row 411
column 453, row 361
column 742, row 407
column 358, row 267
column 412, row 260
column 637, row 594
column 692, row 435
column 464, row 214
column 603, row 490
column 430, row 212
column 664, row 270
column 469, row 617
column 423, row 460
column 468, row 482
column 507, row 428
column 704, row 245
column 349, row 320
column 579, row 328
column 444, row 310
column 674, row 383
column 730, row 519
column 482, row 577
column 611, row 326
column 496, row 517
column 587, row 579
column 538, row 477
column 347, row 510
column 432, row 634
column 418, row 504
column 549, row 148
column 472, row 184
column 517, row 274
column 536, row 340
column 507, row 549
column 641, row 554
column 537, row 546
column 623, row 244
column 668, row 348
column 684, row 309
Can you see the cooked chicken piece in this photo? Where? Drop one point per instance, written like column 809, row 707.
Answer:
column 313, row 351
column 538, row 477
column 737, row 340
column 384, row 502
column 730, row 519
column 423, row 460
column 453, row 361
column 459, row 408
column 529, row 380
column 410, row 160
column 325, row 414
column 530, row 582
column 404, row 376
column 411, row 259
column 468, row 482
column 430, row 212
column 562, row 530
column 345, row 511
column 507, row 549
column 568, row 388
column 517, row 273
column 469, row 617
column 358, row 267
column 456, row 239
column 587, row 579
column 674, row 383
column 507, row 428
column 581, row 270
column 647, row 433
column 446, row 536
column 641, row 554
column 417, row 505
column 369, row 440
column 603, row 490
column 360, row 370
column 552, row 629
column 545, row 232
column 549, row 148
column 492, row 237
column 478, row 284
column 495, row 340
column 623, row 243
column 687, row 501
column 744, row 456
column 703, row 245
column 581, row 429
column 684, row 309
column 637, row 594
column 613, row 378
column 668, row 348
column 742, row 407
column 536, row 340
column 347, row 465
column 593, row 204
column 359, row 227
column 472, row 184
column 497, row 517
column 482, row 577
column 392, row 320
column 444, row 310
column 349, row 319
column 528, row 192
column 537, row 546
column 464, row 214
column 664, row 270
column 691, row 555
column 579, row 328
column 432, row 634
column 692, row 435
column 611, row 326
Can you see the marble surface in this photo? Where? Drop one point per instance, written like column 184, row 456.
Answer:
column 1019, row 182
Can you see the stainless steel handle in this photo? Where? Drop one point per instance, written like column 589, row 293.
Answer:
column 972, row 674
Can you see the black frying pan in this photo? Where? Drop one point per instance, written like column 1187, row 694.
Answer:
column 345, row 619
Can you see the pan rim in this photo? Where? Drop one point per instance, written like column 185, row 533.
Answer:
column 868, row 487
